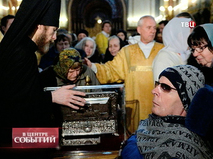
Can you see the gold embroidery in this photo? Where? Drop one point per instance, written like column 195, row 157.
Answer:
column 141, row 68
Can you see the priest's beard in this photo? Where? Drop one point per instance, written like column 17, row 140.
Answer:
column 43, row 46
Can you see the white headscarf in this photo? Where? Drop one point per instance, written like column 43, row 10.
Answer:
column 175, row 35
column 81, row 44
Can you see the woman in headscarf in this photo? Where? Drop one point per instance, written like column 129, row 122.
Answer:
column 88, row 48
column 123, row 35
column 68, row 69
column 176, row 50
column 201, row 43
column 114, row 45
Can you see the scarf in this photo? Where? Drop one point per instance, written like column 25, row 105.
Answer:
column 167, row 137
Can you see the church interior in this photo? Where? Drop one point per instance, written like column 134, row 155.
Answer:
column 124, row 14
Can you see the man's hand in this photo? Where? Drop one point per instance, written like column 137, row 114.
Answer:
column 68, row 97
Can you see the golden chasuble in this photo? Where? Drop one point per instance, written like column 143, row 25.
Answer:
column 131, row 67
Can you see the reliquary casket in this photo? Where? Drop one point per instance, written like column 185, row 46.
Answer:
column 102, row 114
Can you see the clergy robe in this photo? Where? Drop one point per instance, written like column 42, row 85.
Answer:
column 131, row 67
column 102, row 42
column 23, row 102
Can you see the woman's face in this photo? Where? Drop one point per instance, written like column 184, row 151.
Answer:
column 61, row 45
column 202, row 54
column 114, row 46
column 121, row 35
column 88, row 48
column 107, row 28
column 73, row 74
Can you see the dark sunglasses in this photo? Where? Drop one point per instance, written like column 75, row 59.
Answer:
column 164, row 87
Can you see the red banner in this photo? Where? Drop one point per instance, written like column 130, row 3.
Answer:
column 35, row 137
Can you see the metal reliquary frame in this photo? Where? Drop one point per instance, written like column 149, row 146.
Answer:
column 99, row 116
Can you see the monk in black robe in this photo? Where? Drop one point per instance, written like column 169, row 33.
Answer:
column 23, row 103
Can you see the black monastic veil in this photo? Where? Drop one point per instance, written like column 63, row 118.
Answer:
column 23, row 103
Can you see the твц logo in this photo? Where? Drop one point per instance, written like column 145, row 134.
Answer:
column 190, row 24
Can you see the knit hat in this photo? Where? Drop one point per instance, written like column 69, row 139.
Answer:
column 66, row 59
column 186, row 79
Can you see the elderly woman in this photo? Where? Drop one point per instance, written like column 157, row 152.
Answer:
column 69, row 69
column 163, row 134
column 114, row 45
column 200, row 42
column 88, row 48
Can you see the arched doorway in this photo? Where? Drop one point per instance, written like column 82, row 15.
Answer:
column 83, row 14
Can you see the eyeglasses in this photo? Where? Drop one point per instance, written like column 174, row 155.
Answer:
column 164, row 87
column 199, row 49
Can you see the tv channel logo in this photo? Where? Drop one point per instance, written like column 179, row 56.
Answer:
column 190, row 24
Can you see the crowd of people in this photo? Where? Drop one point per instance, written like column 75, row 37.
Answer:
column 167, row 62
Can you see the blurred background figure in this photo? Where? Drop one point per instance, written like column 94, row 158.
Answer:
column 62, row 31
column 162, row 24
column 87, row 48
column 62, row 42
column 80, row 35
column 123, row 35
column 160, row 28
column 102, row 37
column 6, row 21
column 73, row 39
column 114, row 46
column 185, row 15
